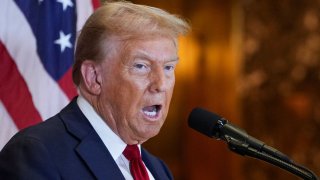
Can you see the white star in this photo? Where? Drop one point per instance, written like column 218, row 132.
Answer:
column 65, row 3
column 63, row 41
column 40, row 1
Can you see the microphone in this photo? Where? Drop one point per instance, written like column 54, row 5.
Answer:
column 213, row 125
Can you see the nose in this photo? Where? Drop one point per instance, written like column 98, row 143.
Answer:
column 158, row 81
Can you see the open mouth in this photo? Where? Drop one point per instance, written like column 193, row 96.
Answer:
column 152, row 111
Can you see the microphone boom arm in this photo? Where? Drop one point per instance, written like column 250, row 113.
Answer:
column 213, row 125
column 244, row 149
column 226, row 129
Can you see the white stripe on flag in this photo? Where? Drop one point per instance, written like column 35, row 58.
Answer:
column 7, row 126
column 84, row 10
column 17, row 36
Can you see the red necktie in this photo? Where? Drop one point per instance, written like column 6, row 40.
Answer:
column 137, row 168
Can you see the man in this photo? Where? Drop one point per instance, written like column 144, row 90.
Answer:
column 124, row 70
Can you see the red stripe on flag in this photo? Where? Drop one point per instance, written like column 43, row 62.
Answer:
column 95, row 4
column 15, row 94
column 67, row 85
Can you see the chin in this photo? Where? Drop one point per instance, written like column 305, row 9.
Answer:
column 149, row 134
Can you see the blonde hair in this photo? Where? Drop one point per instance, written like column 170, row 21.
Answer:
column 123, row 20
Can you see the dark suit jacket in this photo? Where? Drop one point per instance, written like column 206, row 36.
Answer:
column 65, row 147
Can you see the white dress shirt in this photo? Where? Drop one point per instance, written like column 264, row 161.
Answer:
column 112, row 141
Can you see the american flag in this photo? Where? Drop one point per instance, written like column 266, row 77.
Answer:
column 36, row 54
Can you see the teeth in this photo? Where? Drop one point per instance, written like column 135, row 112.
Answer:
column 152, row 113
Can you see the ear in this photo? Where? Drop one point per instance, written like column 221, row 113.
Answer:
column 91, row 76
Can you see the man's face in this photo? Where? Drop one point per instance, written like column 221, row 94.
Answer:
column 136, row 88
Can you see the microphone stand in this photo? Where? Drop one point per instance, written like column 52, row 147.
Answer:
column 243, row 149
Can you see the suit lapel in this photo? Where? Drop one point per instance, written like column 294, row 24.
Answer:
column 155, row 167
column 91, row 148
column 98, row 159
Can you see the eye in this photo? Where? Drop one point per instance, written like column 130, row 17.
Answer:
column 169, row 67
column 140, row 66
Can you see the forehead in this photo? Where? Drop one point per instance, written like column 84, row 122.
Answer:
column 156, row 48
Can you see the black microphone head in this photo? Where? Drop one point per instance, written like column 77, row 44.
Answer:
column 204, row 122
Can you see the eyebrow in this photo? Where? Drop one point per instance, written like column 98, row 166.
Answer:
column 144, row 55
